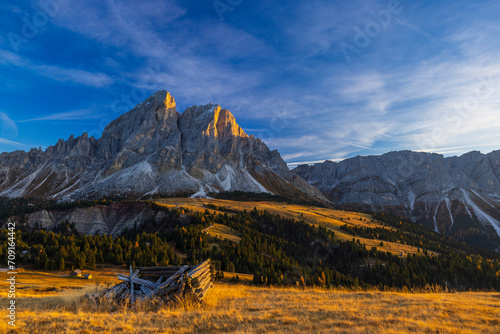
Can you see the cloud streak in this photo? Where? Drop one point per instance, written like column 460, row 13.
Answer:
column 14, row 143
column 279, row 69
column 67, row 116
column 75, row 76
column 8, row 127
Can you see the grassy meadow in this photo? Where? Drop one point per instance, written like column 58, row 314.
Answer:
column 249, row 309
column 223, row 232
column 326, row 217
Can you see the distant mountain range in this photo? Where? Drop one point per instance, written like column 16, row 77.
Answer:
column 154, row 149
column 450, row 195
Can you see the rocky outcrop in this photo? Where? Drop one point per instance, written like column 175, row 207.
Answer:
column 153, row 149
column 444, row 193
column 108, row 219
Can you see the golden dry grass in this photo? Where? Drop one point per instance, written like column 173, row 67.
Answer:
column 43, row 284
column 329, row 218
column 243, row 277
column 247, row 309
column 223, row 232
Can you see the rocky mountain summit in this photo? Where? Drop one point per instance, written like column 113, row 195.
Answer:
column 153, row 149
column 448, row 194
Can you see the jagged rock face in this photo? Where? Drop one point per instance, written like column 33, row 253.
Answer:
column 111, row 219
column 150, row 126
column 425, row 187
column 153, row 149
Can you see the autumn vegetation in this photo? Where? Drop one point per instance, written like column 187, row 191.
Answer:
column 49, row 303
column 280, row 267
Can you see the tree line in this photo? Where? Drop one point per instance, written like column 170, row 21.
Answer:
column 274, row 249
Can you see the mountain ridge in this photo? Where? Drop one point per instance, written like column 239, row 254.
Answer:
column 153, row 149
column 447, row 194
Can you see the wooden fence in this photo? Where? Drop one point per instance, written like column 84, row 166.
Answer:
column 166, row 284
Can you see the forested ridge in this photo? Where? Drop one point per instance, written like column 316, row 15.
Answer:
column 276, row 250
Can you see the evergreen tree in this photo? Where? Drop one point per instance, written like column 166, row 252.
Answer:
column 61, row 264
column 91, row 259
column 82, row 260
column 256, row 278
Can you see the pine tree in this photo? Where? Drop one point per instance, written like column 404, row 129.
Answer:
column 256, row 278
column 99, row 257
column 60, row 262
column 91, row 260
column 82, row 260
column 231, row 267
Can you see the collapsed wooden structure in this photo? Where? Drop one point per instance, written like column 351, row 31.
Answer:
column 161, row 284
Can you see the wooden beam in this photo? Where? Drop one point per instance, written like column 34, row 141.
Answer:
column 131, row 286
column 198, row 267
column 159, row 268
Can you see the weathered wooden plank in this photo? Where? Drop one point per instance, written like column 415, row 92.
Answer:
column 144, row 290
column 148, row 283
column 202, row 285
column 204, row 281
column 158, row 282
column 157, row 273
column 175, row 276
column 177, row 293
column 199, row 272
column 131, row 279
column 168, row 290
column 201, row 278
column 115, row 290
column 169, row 281
column 137, row 280
column 204, row 292
column 160, row 268
column 199, row 267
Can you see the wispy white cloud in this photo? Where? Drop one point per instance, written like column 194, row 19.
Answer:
column 8, row 127
column 8, row 131
column 295, row 164
column 62, row 74
column 346, row 108
column 415, row 28
column 192, row 61
column 14, row 143
column 318, row 26
column 122, row 23
column 405, row 91
column 358, row 146
column 289, row 157
column 68, row 116
column 392, row 104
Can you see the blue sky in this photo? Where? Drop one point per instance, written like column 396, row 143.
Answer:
column 314, row 79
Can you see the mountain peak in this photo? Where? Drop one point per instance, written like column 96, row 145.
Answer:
column 159, row 100
column 213, row 120
column 153, row 149
column 224, row 122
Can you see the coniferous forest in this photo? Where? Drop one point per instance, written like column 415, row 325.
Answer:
column 275, row 250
